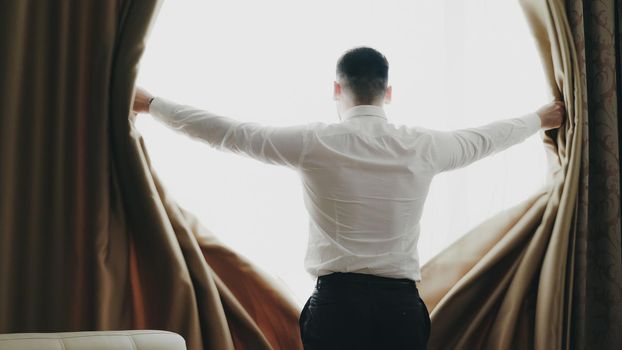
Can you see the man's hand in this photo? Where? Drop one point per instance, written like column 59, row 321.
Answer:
column 141, row 100
column 552, row 115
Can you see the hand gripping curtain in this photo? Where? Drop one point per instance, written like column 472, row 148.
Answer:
column 547, row 273
column 89, row 238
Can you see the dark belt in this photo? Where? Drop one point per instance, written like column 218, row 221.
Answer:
column 362, row 278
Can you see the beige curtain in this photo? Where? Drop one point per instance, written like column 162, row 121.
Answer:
column 89, row 238
column 547, row 274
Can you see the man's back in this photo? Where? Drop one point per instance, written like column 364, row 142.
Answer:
column 366, row 180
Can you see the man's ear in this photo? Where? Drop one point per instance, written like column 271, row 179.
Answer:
column 388, row 94
column 336, row 90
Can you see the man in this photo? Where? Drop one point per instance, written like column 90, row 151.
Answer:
column 365, row 182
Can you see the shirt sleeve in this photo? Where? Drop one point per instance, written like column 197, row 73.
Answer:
column 459, row 148
column 268, row 144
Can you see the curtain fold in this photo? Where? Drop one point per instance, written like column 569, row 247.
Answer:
column 597, row 285
column 55, row 64
column 546, row 274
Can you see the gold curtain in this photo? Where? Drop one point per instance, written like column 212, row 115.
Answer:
column 89, row 238
column 547, row 273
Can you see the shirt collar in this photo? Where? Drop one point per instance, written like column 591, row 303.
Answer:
column 364, row 111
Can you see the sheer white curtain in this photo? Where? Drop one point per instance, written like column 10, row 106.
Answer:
column 453, row 64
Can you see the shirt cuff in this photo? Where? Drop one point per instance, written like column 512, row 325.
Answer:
column 533, row 121
column 162, row 108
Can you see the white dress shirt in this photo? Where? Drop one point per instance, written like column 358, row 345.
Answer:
column 365, row 179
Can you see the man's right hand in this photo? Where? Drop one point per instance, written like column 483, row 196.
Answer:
column 141, row 100
column 552, row 115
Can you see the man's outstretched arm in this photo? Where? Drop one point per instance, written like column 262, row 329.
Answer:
column 458, row 148
column 272, row 145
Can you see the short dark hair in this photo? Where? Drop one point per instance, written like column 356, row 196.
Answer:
column 365, row 72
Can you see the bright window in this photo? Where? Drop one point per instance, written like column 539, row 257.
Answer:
column 453, row 64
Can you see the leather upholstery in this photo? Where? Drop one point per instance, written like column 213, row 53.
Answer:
column 96, row 340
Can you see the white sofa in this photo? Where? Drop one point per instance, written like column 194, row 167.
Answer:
column 95, row 340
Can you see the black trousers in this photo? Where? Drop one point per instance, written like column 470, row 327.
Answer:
column 362, row 311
